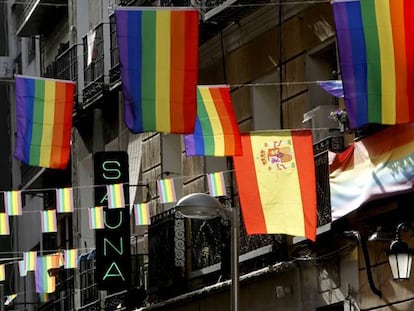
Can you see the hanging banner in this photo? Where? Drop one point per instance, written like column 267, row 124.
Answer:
column 113, row 249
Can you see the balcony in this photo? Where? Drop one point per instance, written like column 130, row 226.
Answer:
column 216, row 15
column 65, row 67
column 95, row 68
column 114, row 73
column 207, row 251
column 38, row 16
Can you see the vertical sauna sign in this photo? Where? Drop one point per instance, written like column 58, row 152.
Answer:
column 113, row 251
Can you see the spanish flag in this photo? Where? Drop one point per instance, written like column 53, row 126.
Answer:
column 276, row 182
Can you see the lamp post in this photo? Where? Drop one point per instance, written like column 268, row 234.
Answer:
column 203, row 206
column 400, row 256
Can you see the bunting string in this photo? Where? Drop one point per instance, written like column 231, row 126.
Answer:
column 249, row 84
column 208, row 7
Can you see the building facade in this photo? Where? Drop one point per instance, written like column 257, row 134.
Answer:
column 271, row 54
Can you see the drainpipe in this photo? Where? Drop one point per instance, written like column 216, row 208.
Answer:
column 364, row 248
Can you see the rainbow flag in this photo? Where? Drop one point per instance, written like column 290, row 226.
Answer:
column 116, row 198
column 369, row 170
column 55, row 260
column 48, row 219
column 216, row 184
column 64, row 200
column 44, row 121
column 2, row 272
column 4, row 224
column 158, row 55
column 276, row 182
column 216, row 131
column 70, row 258
column 44, row 282
column 376, row 52
column 9, row 299
column 13, row 203
column 96, row 217
column 166, row 190
column 22, row 268
column 142, row 214
column 29, row 259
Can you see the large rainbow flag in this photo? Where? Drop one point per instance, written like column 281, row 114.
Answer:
column 376, row 52
column 276, row 181
column 158, row 55
column 44, row 121
column 216, row 131
column 375, row 167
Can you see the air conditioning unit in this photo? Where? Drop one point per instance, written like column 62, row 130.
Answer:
column 318, row 120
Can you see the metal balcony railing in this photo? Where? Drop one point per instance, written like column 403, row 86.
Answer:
column 65, row 67
column 114, row 73
column 63, row 298
column 67, row 64
column 94, row 67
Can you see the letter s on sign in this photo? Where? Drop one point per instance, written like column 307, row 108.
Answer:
column 110, row 170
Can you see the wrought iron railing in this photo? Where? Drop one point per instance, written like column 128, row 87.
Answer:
column 323, row 196
column 65, row 67
column 63, row 297
column 166, row 267
column 93, row 68
column 88, row 289
column 67, row 64
column 114, row 73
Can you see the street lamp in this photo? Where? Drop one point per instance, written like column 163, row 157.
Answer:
column 203, row 206
column 400, row 256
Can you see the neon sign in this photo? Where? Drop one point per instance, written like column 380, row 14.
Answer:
column 113, row 251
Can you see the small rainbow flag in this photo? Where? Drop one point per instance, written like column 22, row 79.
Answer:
column 166, row 190
column 44, row 121
column 116, row 198
column 64, row 200
column 70, row 258
column 158, row 55
column 9, row 299
column 13, row 203
column 96, row 217
column 55, row 260
column 142, row 214
column 29, row 259
column 48, row 221
column 376, row 52
column 2, row 273
column 4, row 224
column 22, row 268
column 216, row 184
column 44, row 282
column 216, row 130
